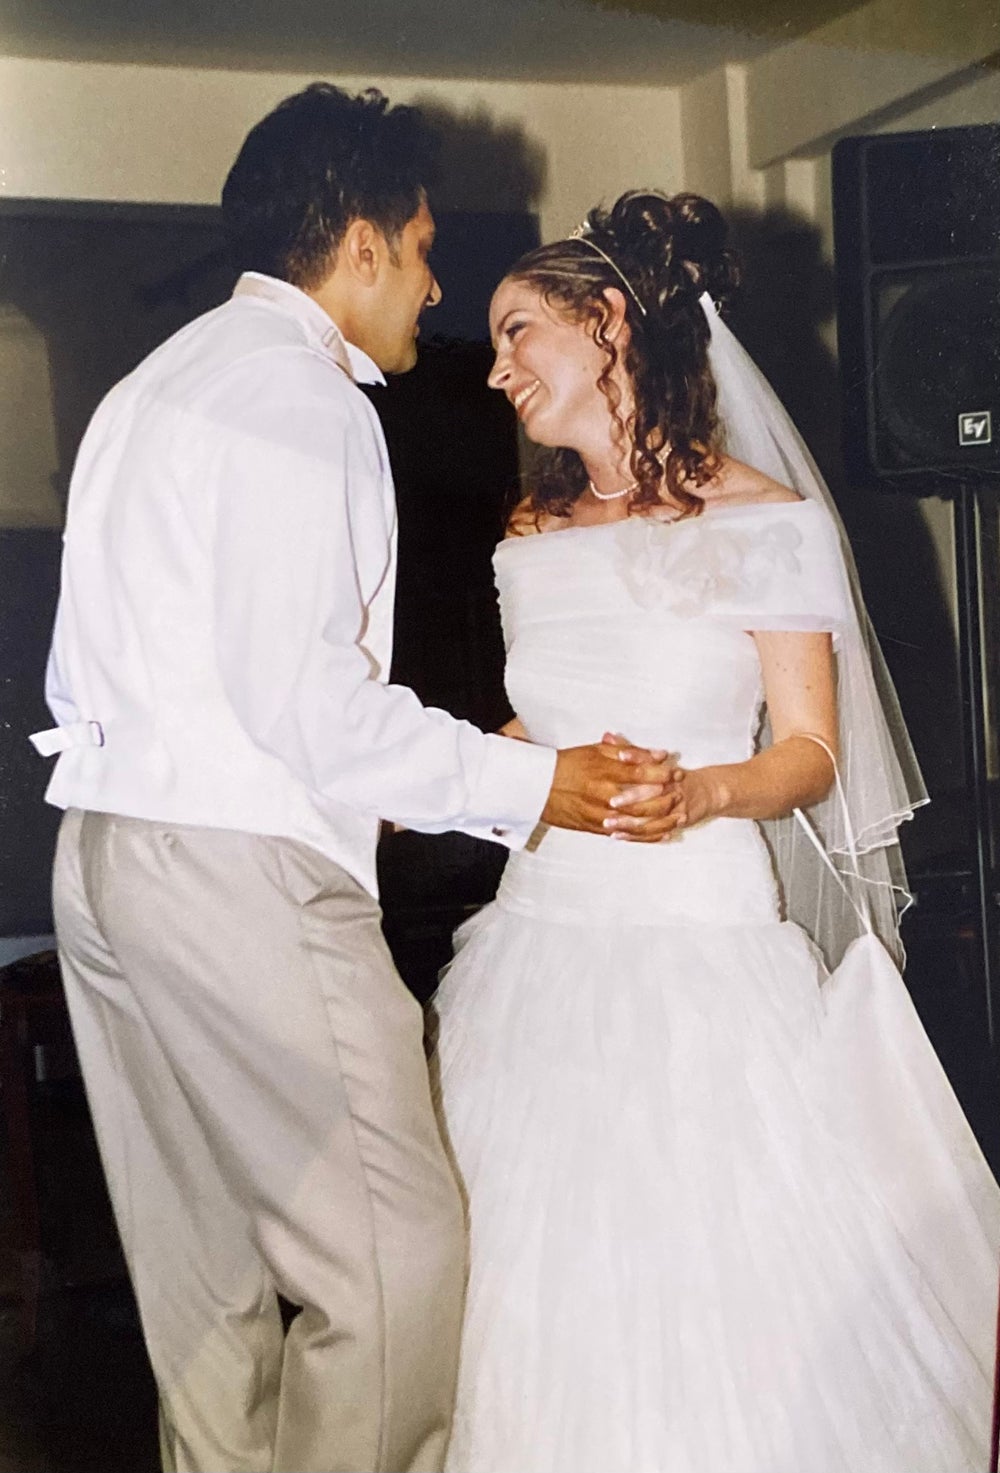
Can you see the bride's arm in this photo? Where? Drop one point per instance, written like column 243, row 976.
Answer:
column 795, row 771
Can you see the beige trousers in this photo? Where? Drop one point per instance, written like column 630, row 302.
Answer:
column 257, row 1080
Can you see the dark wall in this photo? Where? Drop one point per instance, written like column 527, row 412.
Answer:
column 102, row 286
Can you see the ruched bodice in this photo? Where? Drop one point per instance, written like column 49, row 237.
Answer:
column 645, row 627
column 642, row 626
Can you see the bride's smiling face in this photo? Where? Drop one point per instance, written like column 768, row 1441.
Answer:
column 548, row 367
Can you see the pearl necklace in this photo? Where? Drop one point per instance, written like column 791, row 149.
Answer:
column 612, row 495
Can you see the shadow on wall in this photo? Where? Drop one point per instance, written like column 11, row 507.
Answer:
column 485, row 164
column 453, row 445
column 788, row 296
column 492, row 179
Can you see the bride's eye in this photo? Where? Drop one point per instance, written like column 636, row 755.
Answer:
column 513, row 330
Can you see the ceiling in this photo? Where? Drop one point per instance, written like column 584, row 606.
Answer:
column 647, row 42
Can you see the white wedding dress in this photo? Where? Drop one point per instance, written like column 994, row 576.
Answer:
column 718, row 1225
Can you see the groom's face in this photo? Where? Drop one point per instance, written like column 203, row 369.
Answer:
column 406, row 287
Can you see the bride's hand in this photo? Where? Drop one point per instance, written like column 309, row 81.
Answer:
column 598, row 788
column 643, row 813
column 702, row 795
column 697, row 793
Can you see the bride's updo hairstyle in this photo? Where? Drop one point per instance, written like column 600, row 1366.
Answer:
column 667, row 251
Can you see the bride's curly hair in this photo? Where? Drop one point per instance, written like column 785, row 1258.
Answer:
column 669, row 250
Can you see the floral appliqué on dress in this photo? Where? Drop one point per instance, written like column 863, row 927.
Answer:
column 687, row 567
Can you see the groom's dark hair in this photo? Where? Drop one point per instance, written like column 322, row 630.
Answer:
column 321, row 159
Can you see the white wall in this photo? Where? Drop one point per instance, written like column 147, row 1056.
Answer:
column 88, row 131
column 129, row 133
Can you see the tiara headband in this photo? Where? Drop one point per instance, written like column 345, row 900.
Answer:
column 580, row 234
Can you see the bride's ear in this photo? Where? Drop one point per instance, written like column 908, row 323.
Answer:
column 615, row 318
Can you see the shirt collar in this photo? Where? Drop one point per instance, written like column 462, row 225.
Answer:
column 354, row 361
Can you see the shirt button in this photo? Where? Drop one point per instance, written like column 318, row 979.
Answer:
column 498, row 832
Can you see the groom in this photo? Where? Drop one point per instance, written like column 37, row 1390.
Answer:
column 228, row 744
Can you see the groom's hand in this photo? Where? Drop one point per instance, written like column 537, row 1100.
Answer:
column 647, row 815
column 594, row 787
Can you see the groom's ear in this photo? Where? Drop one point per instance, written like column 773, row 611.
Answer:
column 363, row 251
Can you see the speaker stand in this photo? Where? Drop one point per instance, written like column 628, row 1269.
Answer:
column 968, row 564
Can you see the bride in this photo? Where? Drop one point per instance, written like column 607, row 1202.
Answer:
column 725, row 1212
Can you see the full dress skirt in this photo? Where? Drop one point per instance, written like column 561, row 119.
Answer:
column 725, row 1213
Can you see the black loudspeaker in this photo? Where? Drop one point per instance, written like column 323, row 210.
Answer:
column 917, row 245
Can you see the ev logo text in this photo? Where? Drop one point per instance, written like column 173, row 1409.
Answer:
column 975, row 428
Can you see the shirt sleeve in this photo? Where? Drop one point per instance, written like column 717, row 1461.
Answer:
column 290, row 613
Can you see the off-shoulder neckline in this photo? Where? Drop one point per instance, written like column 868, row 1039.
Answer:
column 718, row 513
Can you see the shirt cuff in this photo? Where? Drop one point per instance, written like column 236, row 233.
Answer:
column 513, row 787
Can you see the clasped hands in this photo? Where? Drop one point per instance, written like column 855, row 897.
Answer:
column 624, row 791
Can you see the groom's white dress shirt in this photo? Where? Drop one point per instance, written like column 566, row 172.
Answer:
column 222, row 644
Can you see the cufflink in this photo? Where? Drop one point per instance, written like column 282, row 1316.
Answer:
column 498, row 832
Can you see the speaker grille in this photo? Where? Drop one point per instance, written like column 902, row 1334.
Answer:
column 938, row 361
column 917, row 244
column 932, row 196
